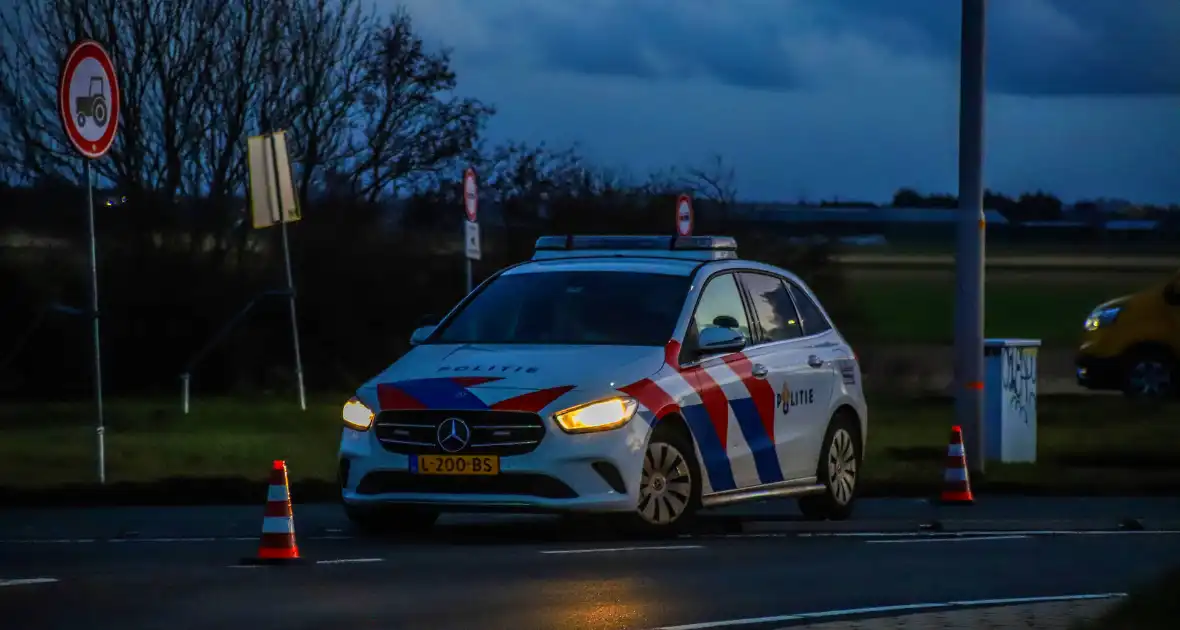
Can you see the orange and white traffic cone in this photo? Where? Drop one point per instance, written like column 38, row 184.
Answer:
column 278, row 524
column 956, row 482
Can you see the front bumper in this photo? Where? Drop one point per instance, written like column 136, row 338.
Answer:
column 1098, row 373
column 595, row 472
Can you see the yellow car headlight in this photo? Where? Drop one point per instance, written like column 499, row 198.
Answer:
column 597, row 416
column 356, row 415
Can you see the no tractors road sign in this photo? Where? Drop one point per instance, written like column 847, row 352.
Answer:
column 684, row 218
column 470, row 195
column 88, row 98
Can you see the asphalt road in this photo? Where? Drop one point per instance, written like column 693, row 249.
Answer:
column 176, row 568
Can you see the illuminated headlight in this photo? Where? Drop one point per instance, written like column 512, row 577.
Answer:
column 357, row 415
column 1102, row 317
column 599, row 416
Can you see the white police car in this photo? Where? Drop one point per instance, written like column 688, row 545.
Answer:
column 645, row 376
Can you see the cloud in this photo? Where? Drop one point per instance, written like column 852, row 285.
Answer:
column 1035, row 47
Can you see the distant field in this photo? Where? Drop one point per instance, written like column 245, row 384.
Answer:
column 1063, row 246
column 917, row 306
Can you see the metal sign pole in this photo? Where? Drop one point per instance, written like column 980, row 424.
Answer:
column 969, row 260
column 100, row 429
column 290, row 276
column 468, row 261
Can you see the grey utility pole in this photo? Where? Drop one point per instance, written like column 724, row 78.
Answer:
column 969, row 256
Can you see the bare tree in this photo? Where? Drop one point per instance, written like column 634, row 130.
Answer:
column 715, row 182
column 411, row 132
column 519, row 171
column 363, row 100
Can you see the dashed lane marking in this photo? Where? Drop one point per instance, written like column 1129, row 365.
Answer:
column 622, row 549
column 28, row 581
column 884, row 610
column 932, row 534
column 193, row 539
column 883, row 534
column 350, row 561
column 933, row 539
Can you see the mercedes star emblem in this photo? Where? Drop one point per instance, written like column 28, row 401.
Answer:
column 453, row 435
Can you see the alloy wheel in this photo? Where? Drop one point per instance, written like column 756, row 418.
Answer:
column 665, row 487
column 842, row 467
column 1150, row 378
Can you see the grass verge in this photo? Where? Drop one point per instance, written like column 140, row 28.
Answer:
column 221, row 452
column 1153, row 607
column 1045, row 305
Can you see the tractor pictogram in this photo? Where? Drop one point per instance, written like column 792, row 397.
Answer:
column 94, row 105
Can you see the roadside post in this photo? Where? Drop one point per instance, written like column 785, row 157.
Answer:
column 684, row 215
column 1010, row 400
column 272, row 200
column 969, row 256
column 471, row 225
column 88, row 104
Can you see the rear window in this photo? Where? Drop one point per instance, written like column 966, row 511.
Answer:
column 571, row 307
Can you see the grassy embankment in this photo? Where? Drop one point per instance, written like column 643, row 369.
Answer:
column 1087, row 445
column 915, row 305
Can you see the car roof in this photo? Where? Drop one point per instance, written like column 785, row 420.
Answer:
column 640, row 264
column 647, row 264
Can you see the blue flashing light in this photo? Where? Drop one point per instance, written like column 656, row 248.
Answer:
column 692, row 247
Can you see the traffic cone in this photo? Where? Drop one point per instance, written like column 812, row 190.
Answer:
column 278, row 524
column 956, row 483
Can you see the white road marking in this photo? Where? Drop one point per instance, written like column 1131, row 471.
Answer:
column 930, row 534
column 845, row 612
column 86, row 541
column 28, row 581
column 350, row 560
column 952, row 539
column 885, row 534
column 614, row 549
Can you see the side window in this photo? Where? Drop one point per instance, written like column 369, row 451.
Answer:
column 721, row 305
column 772, row 308
column 814, row 321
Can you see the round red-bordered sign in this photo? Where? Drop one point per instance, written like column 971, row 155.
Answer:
column 88, row 98
column 470, row 194
column 684, row 218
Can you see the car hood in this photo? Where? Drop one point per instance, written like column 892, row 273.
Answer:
column 1118, row 301
column 510, row 377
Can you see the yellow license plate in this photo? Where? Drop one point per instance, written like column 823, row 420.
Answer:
column 455, row 465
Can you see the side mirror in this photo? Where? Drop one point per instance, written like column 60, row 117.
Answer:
column 420, row 334
column 717, row 340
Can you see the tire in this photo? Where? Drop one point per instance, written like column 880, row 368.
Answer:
column 838, row 470
column 670, row 484
column 100, row 113
column 391, row 519
column 81, row 120
column 1149, row 375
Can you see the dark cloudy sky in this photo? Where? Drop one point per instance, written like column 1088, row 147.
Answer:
column 823, row 98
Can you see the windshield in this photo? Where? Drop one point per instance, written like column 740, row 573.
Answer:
column 571, row 307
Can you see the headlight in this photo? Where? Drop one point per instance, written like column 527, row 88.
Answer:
column 599, row 416
column 357, row 415
column 1102, row 317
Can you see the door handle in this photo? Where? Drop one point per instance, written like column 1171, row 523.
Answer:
column 760, row 371
column 815, row 362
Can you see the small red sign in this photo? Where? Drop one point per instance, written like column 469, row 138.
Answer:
column 470, row 195
column 88, row 98
column 684, row 217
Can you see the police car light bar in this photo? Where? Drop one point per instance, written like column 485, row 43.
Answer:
column 688, row 247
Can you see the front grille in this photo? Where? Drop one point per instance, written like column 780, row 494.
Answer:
column 520, row 484
column 415, row 432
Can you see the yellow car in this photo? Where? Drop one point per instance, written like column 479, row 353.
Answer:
column 1132, row 343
